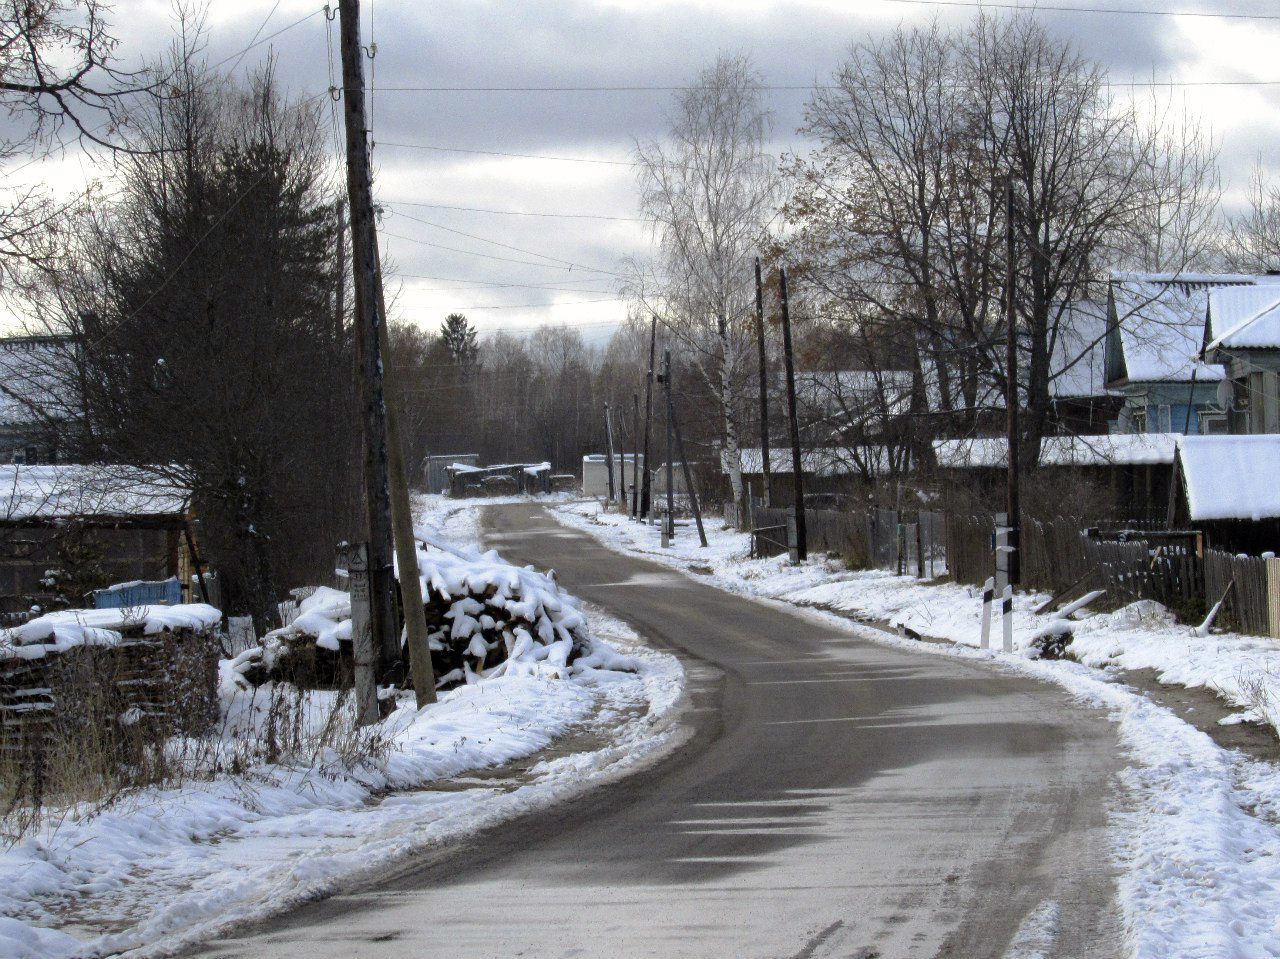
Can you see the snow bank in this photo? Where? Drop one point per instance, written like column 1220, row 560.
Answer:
column 1194, row 826
column 164, row 868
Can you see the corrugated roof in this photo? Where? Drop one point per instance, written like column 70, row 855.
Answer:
column 1161, row 330
column 1118, row 449
column 64, row 491
column 1245, row 317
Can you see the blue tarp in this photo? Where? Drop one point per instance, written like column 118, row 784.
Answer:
column 166, row 592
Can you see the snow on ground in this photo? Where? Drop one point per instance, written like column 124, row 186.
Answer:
column 1196, row 828
column 165, row 867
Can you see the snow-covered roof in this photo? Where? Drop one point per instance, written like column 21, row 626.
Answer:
column 62, row 491
column 60, row 631
column 1244, row 317
column 1120, row 449
column 32, row 383
column 1160, row 328
column 856, row 392
column 1231, row 477
column 1077, row 366
column 830, row 461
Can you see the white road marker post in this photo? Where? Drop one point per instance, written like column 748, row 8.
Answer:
column 988, row 593
column 1006, row 614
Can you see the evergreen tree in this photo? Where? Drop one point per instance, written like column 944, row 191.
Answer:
column 460, row 338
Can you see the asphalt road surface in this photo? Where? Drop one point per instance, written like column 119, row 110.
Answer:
column 839, row 798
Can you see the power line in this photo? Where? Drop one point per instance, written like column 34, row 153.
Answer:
column 812, row 87
column 477, row 209
column 491, row 256
column 1057, row 8
column 498, row 153
column 481, row 284
column 269, row 37
column 506, row 246
column 541, row 306
column 254, row 39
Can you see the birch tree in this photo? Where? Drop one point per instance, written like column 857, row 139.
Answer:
column 709, row 190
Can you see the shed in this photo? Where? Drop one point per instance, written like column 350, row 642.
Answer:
column 120, row 523
column 435, row 469
column 1226, row 486
column 595, row 472
column 1136, row 466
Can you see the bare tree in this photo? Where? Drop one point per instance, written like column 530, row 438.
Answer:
column 900, row 216
column 1177, row 223
column 710, row 191
column 60, row 83
column 1253, row 235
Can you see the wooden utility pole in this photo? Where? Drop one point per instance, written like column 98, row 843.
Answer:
column 646, row 492
column 802, row 537
column 406, row 544
column 373, row 421
column 764, row 387
column 635, row 456
column 1011, row 389
column 608, row 432
column 341, row 305
column 670, row 525
column 688, row 480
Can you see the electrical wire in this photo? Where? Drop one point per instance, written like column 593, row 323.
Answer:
column 490, row 256
column 499, row 153
column 476, row 209
column 497, row 243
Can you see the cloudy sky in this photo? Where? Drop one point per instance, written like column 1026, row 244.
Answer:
column 516, row 241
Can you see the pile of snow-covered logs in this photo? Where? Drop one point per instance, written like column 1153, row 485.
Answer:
column 485, row 617
column 151, row 670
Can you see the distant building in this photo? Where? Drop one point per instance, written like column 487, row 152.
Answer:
column 35, row 404
column 1242, row 332
column 1155, row 354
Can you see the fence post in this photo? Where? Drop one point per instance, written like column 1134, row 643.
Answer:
column 1273, row 595
column 354, row 558
column 1006, row 613
column 793, row 547
column 988, row 593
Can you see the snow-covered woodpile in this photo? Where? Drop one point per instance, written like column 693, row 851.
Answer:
column 485, row 618
column 145, row 668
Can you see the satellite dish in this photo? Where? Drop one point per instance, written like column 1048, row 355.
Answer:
column 1226, row 393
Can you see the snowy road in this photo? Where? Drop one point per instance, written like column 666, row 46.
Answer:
column 839, row 798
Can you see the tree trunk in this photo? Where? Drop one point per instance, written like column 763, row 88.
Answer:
column 732, row 456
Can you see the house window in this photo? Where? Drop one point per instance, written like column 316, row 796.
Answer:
column 1165, row 421
column 1213, row 424
column 1139, row 421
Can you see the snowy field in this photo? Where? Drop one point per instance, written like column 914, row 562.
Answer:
column 1196, row 828
column 161, row 868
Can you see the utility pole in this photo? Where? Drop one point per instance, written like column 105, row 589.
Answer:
column 764, row 387
column 802, row 537
column 635, row 457
column 367, row 335
column 669, row 527
column 1011, row 389
column 341, row 211
column 688, row 480
column 608, row 432
column 645, row 493
column 406, row 544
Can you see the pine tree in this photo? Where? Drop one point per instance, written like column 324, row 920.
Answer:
column 460, row 338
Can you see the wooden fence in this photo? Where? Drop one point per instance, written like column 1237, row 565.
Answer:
column 1130, row 560
column 1247, row 609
